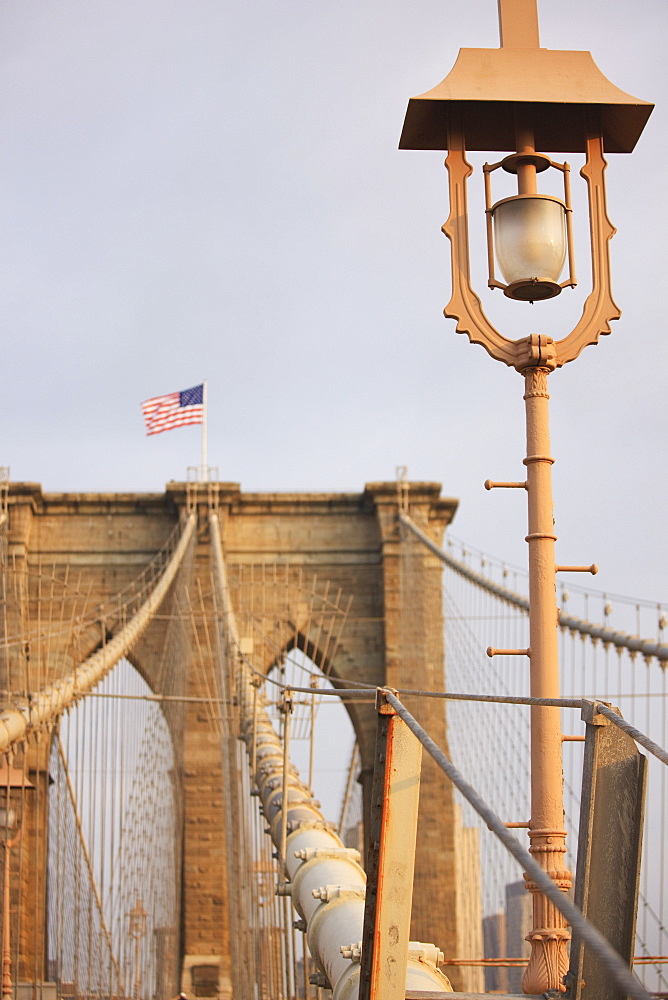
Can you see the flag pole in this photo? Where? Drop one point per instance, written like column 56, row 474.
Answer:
column 205, row 468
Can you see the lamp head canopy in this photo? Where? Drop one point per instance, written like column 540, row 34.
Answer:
column 557, row 90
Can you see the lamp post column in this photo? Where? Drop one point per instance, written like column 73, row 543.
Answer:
column 548, row 962
column 7, row 985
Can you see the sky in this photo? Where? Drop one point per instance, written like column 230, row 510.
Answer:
column 197, row 189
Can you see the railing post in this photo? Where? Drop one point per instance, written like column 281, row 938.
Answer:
column 391, row 857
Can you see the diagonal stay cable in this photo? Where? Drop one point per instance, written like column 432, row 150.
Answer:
column 620, row 640
column 592, row 937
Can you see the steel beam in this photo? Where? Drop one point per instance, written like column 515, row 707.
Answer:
column 391, row 858
column 609, row 852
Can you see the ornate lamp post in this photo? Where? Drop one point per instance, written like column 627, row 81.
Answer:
column 137, row 930
column 12, row 784
column 522, row 100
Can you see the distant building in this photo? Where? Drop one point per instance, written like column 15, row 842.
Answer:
column 494, row 944
column 468, row 906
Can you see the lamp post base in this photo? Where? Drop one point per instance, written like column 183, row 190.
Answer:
column 548, row 962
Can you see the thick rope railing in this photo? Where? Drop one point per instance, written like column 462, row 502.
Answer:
column 20, row 721
column 590, row 935
column 620, row 640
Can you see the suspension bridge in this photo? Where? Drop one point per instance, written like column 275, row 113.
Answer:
column 166, row 660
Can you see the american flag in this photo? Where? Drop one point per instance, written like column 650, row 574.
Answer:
column 176, row 409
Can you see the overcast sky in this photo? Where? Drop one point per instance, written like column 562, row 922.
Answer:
column 199, row 189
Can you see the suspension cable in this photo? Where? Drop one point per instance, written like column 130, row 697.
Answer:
column 619, row 639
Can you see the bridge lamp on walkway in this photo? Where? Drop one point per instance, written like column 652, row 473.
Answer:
column 528, row 102
column 137, row 930
column 13, row 784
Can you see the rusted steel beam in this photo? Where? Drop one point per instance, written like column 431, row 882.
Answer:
column 609, row 852
column 391, row 861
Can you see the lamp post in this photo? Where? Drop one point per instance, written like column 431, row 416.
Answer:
column 522, row 100
column 137, row 930
column 8, row 823
column 13, row 781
